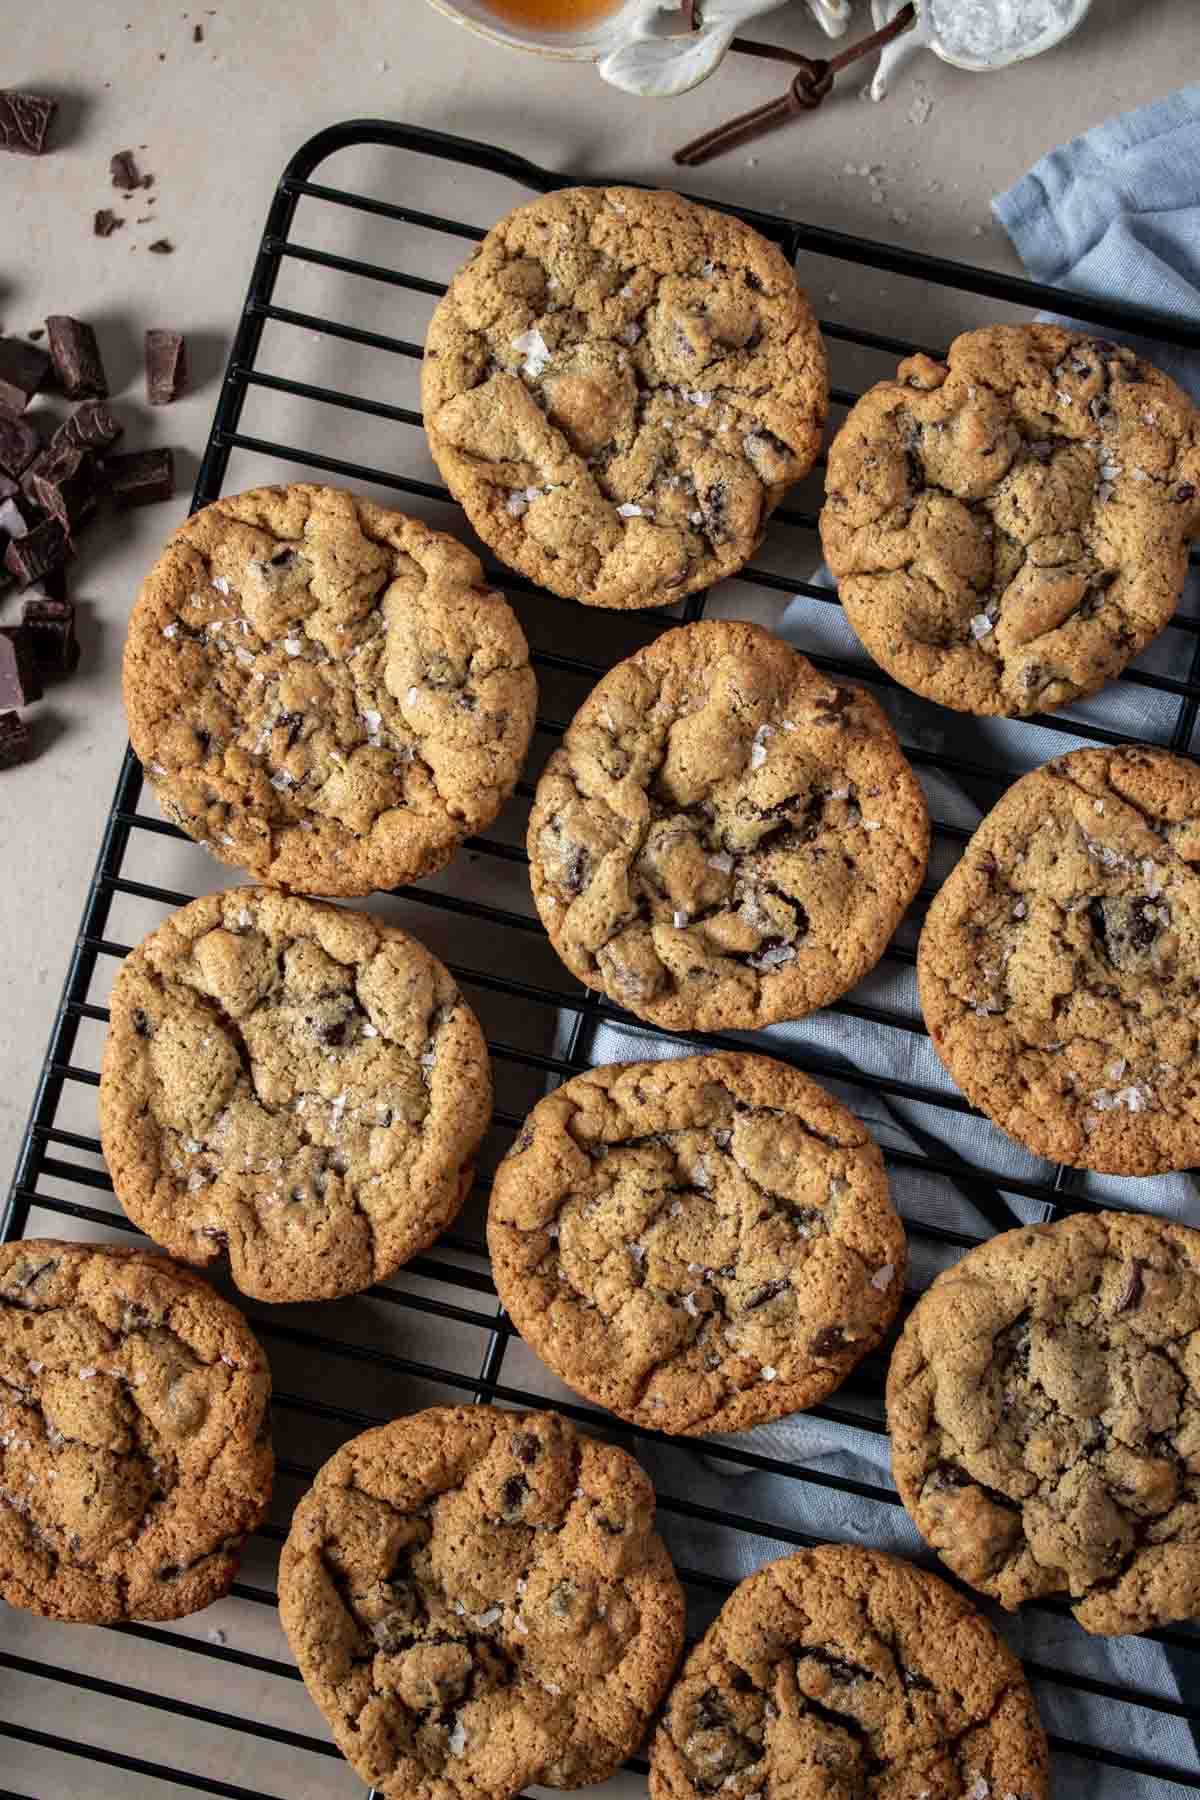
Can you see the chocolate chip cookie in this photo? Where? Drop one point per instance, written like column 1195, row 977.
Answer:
column 845, row 1672
column 725, row 837
column 619, row 387
column 323, row 692
column 135, row 1454
column 293, row 1083
column 1010, row 527
column 1059, row 964
column 478, row 1602
column 1044, row 1405
column 698, row 1244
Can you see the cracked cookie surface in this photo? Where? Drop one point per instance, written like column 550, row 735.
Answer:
column 1009, row 529
column 846, row 1673
column 619, row 387
column 135, row 1454
column 1059, row 965
column 725, row 837
column 699, row 1244
column 1044, row 1406
column 478, row 1602
column 323, row 692
column 295, row 1083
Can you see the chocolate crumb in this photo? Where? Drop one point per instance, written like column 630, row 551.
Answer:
column 105, row 222
column 162, row 247
column 197, row 34
column 124, row 171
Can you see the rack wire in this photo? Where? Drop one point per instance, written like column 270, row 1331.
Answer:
column 218, row 1709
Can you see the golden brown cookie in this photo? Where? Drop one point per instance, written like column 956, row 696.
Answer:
column 699, row 1244
column 1010, row 528
column 843, row 1672
column 478, row 1602
column 135, row 1452
column 324, row 692
column 619, row 387
column 1044, row 1405
column 725, row 837
column 294, row 1083
column 1059, row 964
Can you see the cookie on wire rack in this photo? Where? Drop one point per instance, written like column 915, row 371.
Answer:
column 700, row 1244
column 1010, row 528
column 619, row 387
column 324, row 692
column 725, row 837
column 135, row 1451
column 294, row 1084
column 478, row 1603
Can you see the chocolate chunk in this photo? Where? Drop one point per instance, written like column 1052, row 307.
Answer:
column 162, row 247
column 105, row 222
column 62, row 482
column 19, row 679
column 197, row 34
column 51, row 626
column 140, row 477
column 829, row 1342
column 166, row 366
column 1135, row 1281
column 512, row 1495
column 14, row 739
column 29, row 558
column 23, row 368
column 124, row 171
column 24, row 121
column 92, row 426
column 76, row 358
column 18, row 442
column 526, row 1448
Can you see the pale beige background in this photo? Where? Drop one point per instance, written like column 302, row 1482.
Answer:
column 218, row 121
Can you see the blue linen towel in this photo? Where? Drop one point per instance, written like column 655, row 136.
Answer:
column 1115, row 214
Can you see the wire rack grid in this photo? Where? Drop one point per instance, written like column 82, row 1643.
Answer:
column 217, row 1709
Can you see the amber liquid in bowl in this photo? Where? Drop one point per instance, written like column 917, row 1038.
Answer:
column 553, row 15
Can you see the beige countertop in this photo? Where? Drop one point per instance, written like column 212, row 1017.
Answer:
column 215, row 122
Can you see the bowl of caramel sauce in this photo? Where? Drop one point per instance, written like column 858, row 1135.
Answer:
column 574, row 30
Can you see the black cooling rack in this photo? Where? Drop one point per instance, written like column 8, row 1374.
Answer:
column 217, row 1709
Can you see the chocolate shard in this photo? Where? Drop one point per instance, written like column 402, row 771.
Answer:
column 105, row 222
column 166, row 366
column 161, row 247
column 62, row 481
column 92, row 426
column 124, row 171
column 140, row 477
column 18, row 443
column 24, row 121
column 19, row 679
column 51, row 627
column 14, row 740
column 32, row 557
column 23, row 368
column 76, row 358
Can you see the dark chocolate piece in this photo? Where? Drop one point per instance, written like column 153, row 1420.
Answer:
column 162, row 247
column 197, row 34
column 92, row 426
column 51, row 627
column 76, row 358
column 33, row 556
column 140, row 477
column 19, row 680
column 105, row 222
column 23, row 368
column 14, row 740
column 124, row 171
column 24, row 121
column 62, row 481
column 166, row 366
column 18, row 442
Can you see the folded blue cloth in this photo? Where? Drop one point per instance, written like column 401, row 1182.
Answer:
column 1116, row 213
